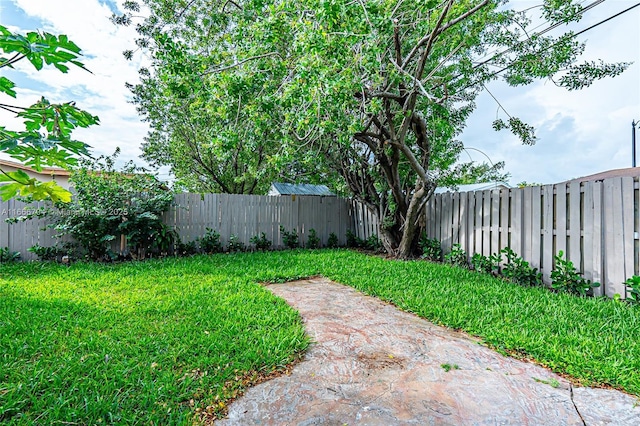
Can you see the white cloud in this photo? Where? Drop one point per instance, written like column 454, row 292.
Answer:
column 101, row 92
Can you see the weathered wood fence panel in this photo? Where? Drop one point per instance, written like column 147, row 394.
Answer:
column 245, row 216
column 241, row 215
column 596, row 225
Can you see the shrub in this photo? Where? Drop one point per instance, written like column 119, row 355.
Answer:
column 8, row 256
column 332, row 242
column 431, row 248
column 487, row 265
column 353, row 241
column 372, row 243
column 518, row 270
column 566, row 278
column 186, row 249
column 261, row 242
column 210, row 242
column 457, row 256
column 290, row 239
column 165, row 239
column 633, row 289
column 313, row 241
column 46, row 253
column 108, row 203
column 146, row 233
column 235, row 244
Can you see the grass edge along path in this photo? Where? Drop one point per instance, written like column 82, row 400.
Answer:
column 168, row 341
column 590, row 340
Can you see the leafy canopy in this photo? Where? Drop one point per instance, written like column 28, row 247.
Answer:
column 375, row 91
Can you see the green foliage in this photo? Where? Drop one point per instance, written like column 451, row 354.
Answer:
column 487, row 265
column 210, row 242
column 235, row 245
column 289, row 238
column 186, row 249
column 524, row 184
column 583, row 75
column 633, row 289
column 353, row 241
column 566, row 278
column 261, row 242
column 525, row 132
column 8, row 256
column 18, row 183
column 332, row 242
column 372, row 243
column 448, row 367
column 46, row 138
column 519, row 271
column 313, row 242
column 431, row 248
column 146, row 233
column 457, row 256
column 47, row 253
column 109, row 203
column 348, row 88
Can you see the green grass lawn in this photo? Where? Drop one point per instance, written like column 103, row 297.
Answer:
column 153, row 342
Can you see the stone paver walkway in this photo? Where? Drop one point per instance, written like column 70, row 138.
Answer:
column 375, row 365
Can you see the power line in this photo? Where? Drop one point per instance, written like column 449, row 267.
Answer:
column 546, row 30
column 554, row 44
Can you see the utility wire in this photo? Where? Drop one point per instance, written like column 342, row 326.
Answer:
column 546, row 30
column 574, row 35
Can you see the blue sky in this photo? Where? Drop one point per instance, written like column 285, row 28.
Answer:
column 580, row 133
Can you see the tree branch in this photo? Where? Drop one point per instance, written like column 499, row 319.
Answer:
column 448, row 25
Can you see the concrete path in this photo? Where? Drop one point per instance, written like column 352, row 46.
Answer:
column 375, row 365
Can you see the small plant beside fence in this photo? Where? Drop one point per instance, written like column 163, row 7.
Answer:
column 594, row 224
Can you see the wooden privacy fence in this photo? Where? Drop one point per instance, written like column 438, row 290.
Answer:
column 241, row 215
column 248, row 215
column 595, row 224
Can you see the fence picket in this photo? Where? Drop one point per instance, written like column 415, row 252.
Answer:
column 561, row 218
column 527, row 224
column 478, row 224
column 471, row 237
column 455, row 212
column 504, row 218
column 598, row 238
column 575, row 243
column 495, row 222
column 547, row 232
column 628, row 230
column 536, row 227
column 463, row 235
column 614, row 245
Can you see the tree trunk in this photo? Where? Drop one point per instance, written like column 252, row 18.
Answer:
column 389, row 241
column 406, row 247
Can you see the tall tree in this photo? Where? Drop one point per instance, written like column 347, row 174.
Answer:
column 213, row 128
column 376, row 90
column 46, row 138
